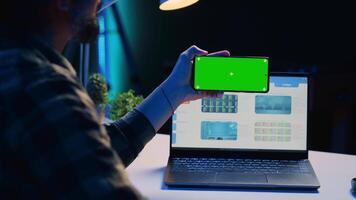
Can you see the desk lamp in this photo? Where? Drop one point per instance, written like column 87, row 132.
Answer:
column 167, row 5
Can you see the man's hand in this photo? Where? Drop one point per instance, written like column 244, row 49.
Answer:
column 178, row 86
column 176, row 89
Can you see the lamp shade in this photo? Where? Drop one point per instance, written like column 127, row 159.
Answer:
column 175, row 4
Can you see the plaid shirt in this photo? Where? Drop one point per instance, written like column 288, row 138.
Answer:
column 52, row 145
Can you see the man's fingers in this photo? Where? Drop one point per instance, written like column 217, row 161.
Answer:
column 223, row 53
column 193, row 51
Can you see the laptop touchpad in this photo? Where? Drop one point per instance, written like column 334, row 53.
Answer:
column 240, row 178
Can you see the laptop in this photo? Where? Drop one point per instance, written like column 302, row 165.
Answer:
column 244, row 140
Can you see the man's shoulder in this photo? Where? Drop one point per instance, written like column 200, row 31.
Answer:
column 21, row 67
column 18, row 63
column 15, row 57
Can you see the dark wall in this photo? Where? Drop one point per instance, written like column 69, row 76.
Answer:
column 290, row 33
column 297, row 36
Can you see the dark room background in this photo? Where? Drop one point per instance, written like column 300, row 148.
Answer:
column 317, row 38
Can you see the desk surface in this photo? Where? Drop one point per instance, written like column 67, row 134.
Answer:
column 334, row 172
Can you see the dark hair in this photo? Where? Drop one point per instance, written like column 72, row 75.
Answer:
column 21, row 17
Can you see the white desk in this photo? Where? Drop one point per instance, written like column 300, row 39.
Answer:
column 334, row 171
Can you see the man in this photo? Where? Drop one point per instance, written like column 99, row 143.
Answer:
column 52, row 145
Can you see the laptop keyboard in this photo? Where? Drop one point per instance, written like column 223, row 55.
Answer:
column 240, row 165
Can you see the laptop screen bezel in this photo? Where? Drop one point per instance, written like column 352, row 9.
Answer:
column 251, row 153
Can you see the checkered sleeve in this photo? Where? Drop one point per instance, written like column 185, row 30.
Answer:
column 130, row 134
column 67, row 152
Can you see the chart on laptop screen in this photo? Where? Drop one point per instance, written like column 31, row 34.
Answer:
column 276, row 120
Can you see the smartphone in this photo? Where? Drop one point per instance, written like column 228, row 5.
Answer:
column 235, row 74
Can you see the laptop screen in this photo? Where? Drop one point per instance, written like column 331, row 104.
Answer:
column 276, row 120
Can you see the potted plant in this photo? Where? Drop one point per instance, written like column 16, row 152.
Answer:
column 98, row 91
column 124, row 103
column 118, row 107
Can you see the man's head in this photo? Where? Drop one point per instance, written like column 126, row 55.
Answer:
column 82, row 18
column 70, row 18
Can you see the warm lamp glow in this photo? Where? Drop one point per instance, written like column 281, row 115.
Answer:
column 175, row 4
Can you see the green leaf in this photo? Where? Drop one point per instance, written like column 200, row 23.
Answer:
column 97, row 89
column 124, row 103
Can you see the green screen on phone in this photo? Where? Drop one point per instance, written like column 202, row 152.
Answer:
column 240, row 74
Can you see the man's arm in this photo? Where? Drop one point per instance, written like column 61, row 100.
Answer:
column 131, row 133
